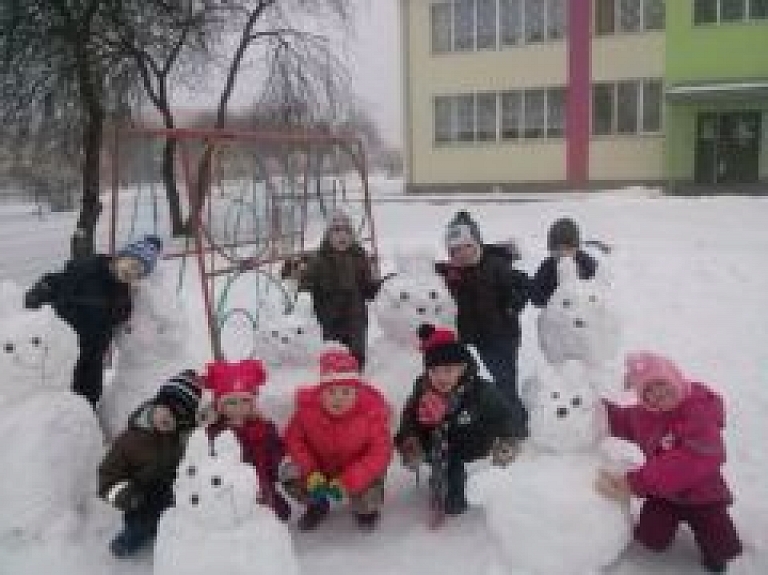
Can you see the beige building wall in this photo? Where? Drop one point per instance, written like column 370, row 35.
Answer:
column 620, row 157
column 534, row 66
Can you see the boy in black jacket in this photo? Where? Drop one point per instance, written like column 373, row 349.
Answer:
column 93, row 295
column 453, row 417
column 563, row 241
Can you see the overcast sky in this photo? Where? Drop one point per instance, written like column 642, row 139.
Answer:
column 376, row 63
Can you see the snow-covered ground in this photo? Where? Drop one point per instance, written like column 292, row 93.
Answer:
column 691, row 282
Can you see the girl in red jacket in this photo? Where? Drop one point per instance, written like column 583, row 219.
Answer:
column 339, row 440
column 677, row 424
column 234, row 387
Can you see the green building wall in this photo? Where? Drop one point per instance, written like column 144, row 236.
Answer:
column 711, row 53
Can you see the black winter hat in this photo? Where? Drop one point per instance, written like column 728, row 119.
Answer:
column 440, row 346
column 462, row 230
column 563, row 233
column 181, row 394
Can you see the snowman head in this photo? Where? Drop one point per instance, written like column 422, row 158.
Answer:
column 416, row 295
column 565, row 413
column 214, row 488
column 580, row 321
column 157, row 327
column 291, row 340
column 38, row 352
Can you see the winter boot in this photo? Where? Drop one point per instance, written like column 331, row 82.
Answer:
column 315, row 513
column 712, row 566
column 367, row 521
column 134, row 536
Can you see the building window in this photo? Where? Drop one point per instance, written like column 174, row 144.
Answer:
column 481, row 117
column 486, row 24
column 464, row 25
column 627, row 107
column 535, row 114
column 556, row 112
column 612, row 16
column 486, row 116
column 511, row 22
column 441, row 27
column 443, row 119
column 511, row 114
column 602, row 109
column 557, row 19
column 716, row 11
column 535, row 16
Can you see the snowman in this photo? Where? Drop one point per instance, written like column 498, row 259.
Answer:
column 52, row 440
column 415, row 295
column 580, row 322
column 217, row 524
column 151, row 347
column 543, row 511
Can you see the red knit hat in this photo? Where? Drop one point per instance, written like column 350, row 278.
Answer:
column 338, row 364
column 245, row 376
column 440, row 346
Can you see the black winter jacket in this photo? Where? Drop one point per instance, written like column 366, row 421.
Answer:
column 489, row 298
column 480, row 416
column 544, row 283
column 87, row 295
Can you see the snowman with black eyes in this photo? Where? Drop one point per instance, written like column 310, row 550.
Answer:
column 543, row 511
column 581, row 322
column 217, row 524
column 412, row 296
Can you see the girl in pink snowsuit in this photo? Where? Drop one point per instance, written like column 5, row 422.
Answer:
column 677, row 423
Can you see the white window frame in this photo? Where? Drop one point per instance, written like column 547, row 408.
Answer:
column 639, row 84
column 617, row 29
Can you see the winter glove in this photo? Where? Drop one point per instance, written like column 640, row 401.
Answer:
column 125, row 496
column 432, row 409
column 504, row 451
column 335, row 490
column 411, row 453
column 613, row 486
column 38, row 294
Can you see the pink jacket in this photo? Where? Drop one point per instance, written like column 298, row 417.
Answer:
column 684, row 448
column 355, row 447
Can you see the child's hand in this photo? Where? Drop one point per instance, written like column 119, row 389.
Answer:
column 335, row 490
column 411, row 453
column 125, row 496
column 504, row 451
column 315, row 481
column 613, row 486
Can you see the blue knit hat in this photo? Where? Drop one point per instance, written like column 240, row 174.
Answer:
column 145, row 250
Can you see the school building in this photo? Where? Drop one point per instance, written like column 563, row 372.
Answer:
column 521, row 95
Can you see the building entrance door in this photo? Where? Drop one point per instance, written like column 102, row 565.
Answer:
column 728, row 148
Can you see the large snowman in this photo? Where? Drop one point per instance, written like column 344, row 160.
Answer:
column 152, row 345
column 217, row 524
column 543, row 511
column 52, row 442
column 581, row 322
column 413, row 296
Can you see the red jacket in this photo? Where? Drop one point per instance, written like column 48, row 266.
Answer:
column 263, row 449
column 684, row 448
column 354, row 447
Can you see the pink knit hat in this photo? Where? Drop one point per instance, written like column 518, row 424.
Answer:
column 644, row 367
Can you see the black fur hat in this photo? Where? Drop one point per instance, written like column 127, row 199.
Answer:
column 563, row 233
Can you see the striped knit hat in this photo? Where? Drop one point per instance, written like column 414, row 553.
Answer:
column 181, row 394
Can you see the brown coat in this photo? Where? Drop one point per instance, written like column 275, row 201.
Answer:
column 142, row 455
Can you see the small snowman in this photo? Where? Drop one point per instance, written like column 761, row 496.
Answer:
column 415, row 295
column 544, row 511
column 151, row 346
column 580, row 322
column 217, row 524
column 52, row 439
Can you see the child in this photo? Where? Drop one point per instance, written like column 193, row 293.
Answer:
column 234, row 387
column 490, row 295
column 138, row 472
column 677, row 424
column 563, row 241
column 339, row 439
column 453, row 417
column 94, row 296
column 340, row 280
